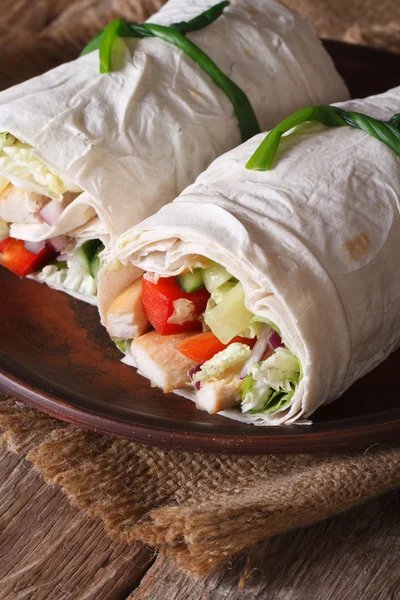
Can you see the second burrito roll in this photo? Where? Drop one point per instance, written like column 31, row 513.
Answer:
column 270, row 292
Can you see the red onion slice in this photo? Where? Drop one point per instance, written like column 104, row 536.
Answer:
column 51, row 212
column 191, row 374
column 275, row 340
column 34, row 247
column 258, row 350
column 58, row 243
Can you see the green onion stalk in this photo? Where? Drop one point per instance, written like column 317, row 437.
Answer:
column 387, row 132
column 175, row 34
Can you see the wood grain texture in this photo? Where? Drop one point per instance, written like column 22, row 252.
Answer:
column 354, row 556
column 51, row 550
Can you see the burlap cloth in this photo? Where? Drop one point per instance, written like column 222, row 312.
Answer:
column 203, row 508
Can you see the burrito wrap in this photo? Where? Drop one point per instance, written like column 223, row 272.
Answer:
column 133, row 139
column 315, row 243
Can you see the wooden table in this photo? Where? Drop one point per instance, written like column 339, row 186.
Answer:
column 50, row 550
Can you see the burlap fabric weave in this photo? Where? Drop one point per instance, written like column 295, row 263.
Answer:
column 202, row 508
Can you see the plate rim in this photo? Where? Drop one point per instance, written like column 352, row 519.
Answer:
column 347, row 437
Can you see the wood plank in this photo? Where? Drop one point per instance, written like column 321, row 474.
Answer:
column 51, row 550
column 354, row 556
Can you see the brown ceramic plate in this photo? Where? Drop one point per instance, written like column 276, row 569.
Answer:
column 55, row 355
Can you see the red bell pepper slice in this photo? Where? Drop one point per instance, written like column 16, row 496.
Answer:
column 203, row 346
column 17, row 259
column 158, row 298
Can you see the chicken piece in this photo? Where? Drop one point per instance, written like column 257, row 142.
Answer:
column 20, row 206
column 157, row 359
column 125, row 318
column 217, row 395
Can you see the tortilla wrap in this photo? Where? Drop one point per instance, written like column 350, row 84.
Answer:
column 315, row 242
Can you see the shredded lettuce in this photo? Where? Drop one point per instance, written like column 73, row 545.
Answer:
column 271, row 384
column 252, row 331
column 215, row 276
column 232, row 355
column 73, row 279
column 218, row 294
column 19, row 166
column 229, row 317
column 79, row 272
column 76, row 276
column 280, row 370
column 229, row 296
column 257, row 319
column 121, row 344
column 247, row 385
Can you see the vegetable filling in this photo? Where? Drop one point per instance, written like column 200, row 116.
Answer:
column 32, row 194
column 228, row 356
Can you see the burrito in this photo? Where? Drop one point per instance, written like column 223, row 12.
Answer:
column 263, row 294
column 85, row 155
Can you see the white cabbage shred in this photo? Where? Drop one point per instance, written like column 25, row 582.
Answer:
column 234, row 354
column 20, row 166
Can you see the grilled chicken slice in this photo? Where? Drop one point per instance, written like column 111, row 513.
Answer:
column 19, row 206
column 217, row 395
column 125, row 317
column 157, row 359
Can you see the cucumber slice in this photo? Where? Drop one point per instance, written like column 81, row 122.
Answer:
column 90, row 251
column 95, row 262
column 95, row 266
column 91, row 248
column 219, row 294
column 190, row 282
column 75, row 273
column 80, row 258
column 214, row 276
